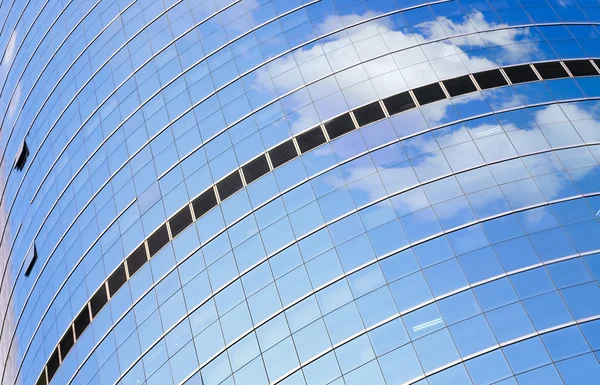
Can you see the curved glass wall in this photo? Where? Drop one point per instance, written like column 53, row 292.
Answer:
column 300, row 192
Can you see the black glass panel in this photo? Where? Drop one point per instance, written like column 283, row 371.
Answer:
column 368, row 114
column 581, row 67
column 490, row 79
column 459, row 86
column 98, row 300
column 204, row 202
column 116, row 280
column 180, row 221
column 157, row 240
column 228, row 186
column 53, row 363
column 136, row 260
column 66, row 343
column 399, row 103
column 521, row 74
column 255, row 169
column 429, row 93
column 339, row 126
column 310, row 139
column 82, row 321
column 42, row 379
column 283, row 153
column 552, row 70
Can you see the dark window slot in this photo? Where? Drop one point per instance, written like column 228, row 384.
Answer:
column 551, row 70
column 581, row 68
column 310, row 139
column 158, row 239
column 98, row 301
column 459, row 86
column 66, row 343
column 22, row 158
column 256, row 168
column 53, row 364
column 117, row 280
column 32, row 262
column 399, row 103
column 521, row 74
column 339, row 126
column 230, row 185
column 368, row 114
column 81, row 322
column 429, row 93
column 283, row 153
column 597, row 61
column 203, row 203
column 136, row 260
column 180, row 221
column 490, row 79
column 42, row 379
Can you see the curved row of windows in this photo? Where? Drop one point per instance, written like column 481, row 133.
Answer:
column 276, row 157
column 411, row 293
column 244, row 84
column 415, row 179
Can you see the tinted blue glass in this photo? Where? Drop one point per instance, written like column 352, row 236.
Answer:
column 299, row 192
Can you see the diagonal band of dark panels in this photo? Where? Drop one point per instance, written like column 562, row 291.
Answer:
column 253, row 170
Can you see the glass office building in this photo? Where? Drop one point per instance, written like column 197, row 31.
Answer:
column 300, row 192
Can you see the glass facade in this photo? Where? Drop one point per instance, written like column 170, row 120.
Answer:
column 300, row 192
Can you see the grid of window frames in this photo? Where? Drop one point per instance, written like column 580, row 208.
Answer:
column 300, row 192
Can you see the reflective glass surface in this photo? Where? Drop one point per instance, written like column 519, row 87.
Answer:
column 300, row 192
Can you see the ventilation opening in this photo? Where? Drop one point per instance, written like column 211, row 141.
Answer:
column 581, row 68
column 229, row 185
column 206, row 201
column 339, row 126
column 82, row 321
column 553, row 70
column 399, row 103
column 32, row 262
column 117, row 280
column 255, row 169
column 429, row 93
column 459, row 86
column 521, row 74
column 368, row 114
column 310, row 139
column 136, row 260
column 181, row 221
column 490, row 79
column 283, row 153
column 22, row 158
column 157, row 240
